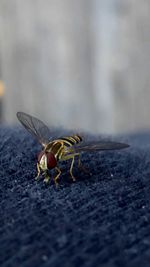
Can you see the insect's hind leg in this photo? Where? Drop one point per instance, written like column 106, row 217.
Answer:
column 71, row 168
column 80, row 165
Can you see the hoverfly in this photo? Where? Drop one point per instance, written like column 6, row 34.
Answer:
column 63, row 148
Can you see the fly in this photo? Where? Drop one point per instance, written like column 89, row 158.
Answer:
column 63, row 148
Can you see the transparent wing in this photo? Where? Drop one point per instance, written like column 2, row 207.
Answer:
column 34, row 126
column 95, row 146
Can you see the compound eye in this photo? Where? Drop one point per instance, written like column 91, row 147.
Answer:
column 40, row 155
column 51, row 160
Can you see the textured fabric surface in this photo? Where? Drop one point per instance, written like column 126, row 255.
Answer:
column 102, row 220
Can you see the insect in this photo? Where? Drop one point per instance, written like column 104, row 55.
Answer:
column 63, row 148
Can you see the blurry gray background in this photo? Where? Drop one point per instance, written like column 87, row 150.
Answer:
column 77, row 63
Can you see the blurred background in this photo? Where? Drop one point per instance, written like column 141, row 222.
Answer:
column 76, row 63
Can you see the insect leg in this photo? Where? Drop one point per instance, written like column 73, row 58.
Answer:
column 70, row 156
column 38, row 174
column 57, row 176
column 47, row 177
column 71, row 167
column 81, row 166
column 79, row 161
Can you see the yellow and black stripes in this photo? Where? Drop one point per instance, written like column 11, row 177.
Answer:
column 71, row 140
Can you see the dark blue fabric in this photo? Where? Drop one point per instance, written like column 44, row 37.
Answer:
column 102, row 220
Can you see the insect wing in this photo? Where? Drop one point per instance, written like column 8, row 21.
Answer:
column 36, row 127
column 96, row 146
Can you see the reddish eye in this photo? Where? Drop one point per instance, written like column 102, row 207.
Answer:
column 51, row 160
column 40, row 155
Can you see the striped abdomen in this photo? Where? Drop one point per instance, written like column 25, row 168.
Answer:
column 71, row 140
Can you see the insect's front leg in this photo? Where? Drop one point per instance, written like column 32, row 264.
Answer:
column 57, row 176
column 39, row 171
column 46, row 177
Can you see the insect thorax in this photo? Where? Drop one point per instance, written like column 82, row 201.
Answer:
column 56, row 147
